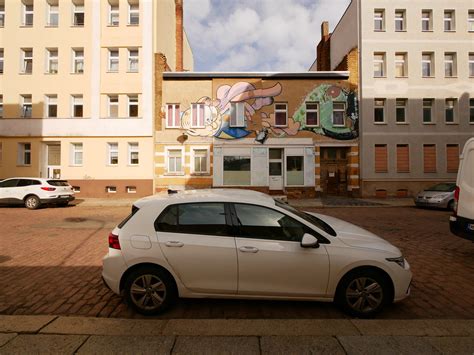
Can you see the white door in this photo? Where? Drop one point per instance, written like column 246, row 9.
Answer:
column 271, row 259
column 275, row 169
column 198, row 244
column 54, row 161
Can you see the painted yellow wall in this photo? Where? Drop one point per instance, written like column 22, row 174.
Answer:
column 164, row 19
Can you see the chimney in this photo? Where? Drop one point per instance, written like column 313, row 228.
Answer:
column 325, row 30
column 179, row 34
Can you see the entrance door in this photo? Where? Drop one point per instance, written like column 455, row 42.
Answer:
column 334, row 170
column 54, row 161
column 275, row 169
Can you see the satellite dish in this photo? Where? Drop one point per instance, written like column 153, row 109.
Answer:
column 261, row 136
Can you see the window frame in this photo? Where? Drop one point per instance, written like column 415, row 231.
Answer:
column 51, row 59
column 280, row 110
column 208, row 160
column 131, row 102
column 76, row 11
column 343, row 110
column 113, row 60
column 402, row 19
column 430, row 63
column 2, row 60
column 399, row 106
column 133, row 147
column 1, row 106
column 381, row 19
column 286, row 166
column 23, row 152
column 452, row 62
column 176, row 123
column 382, row 62
column 131, row 58
column 167, row 160
column 26, row 13
column 2, row 16
column 453, row 108
column 376, row 106
column 25, row 60
column 132, row 12
column 470, row 57
column 196, row 107
column 471, row 111
column 77, row 148
column 428, row 20
column 24, row 106
column 451, row 20
column 110, row 104
column 470, row 21
column 403, row 62
column 77, row 60
column 110, row 151
column 48, row 99
column 237, row 111
column 50, row 12
column 241, row 157
column 431, row 106
column 111, row 13
column 312, row 110
column 75, row 103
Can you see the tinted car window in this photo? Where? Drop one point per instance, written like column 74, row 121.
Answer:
column 134, row 210
column 9, row 183
column 264, row 223
column 58, row 183
column 24, row 182
column 444, row 187
column 168, row 220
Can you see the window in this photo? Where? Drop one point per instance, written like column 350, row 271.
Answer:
column 133, row 60
column 26, row 106
column 132, row 105
column 76, row 154
column 403, row 158
column 427, row 20
column 338, row 112
column 53, row 13
column 449, row 24
column 24, row 154
column 471, row 65
column 379, row 20
column 294, row 170
column 237, row 170
column 379, row 110
column 1, row 60
column 111, row 189
column 1, row 106
column 27, row 9
column 470, row 21
column 401, row 110
column 452, row 158
column 281, row 114
column 133, row 154
column 312, row 114
column 264, row 223
column 113, row 65
column 112, row 156
column 173, row 117
column 78, row 13
column 197, row 115
column 27, row 61
column 381, row 158
column 52, row 60
column 133, row 13
column 175, row 161
column 2, row 15
column 427, row 66
column 200, row 161
column 131, row 189
column 428, row 110
column 471, row 111
column 379, row 65
column 401, row 65
column 114, row 13
column 78, row 60
column 450, row 111
column 429, row 158
column 400, row 21
column 51, row 106
column 206, row 218
column 449, row 65
column 77, row 106
column 237, row 114
column 113, row 105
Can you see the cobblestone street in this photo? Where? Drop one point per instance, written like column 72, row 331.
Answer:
column 50, row 263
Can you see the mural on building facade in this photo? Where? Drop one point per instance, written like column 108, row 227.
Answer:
column 217, row 113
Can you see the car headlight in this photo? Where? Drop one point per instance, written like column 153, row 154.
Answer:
column 400, row 261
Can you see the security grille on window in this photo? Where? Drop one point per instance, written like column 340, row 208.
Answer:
column 237, row 114
column 52, row 60
column 379, row 21
column 338, row 113
column 53, row 13
column 133, row 154
column 401, row 110
column 113, row 105
column 400, row 65
column 1, row 60
column 78, row 61
column 133, row 13
column 471, row 65
column 400, row 20
column 133, row 60
column 427, row 65
column 448, row 20
column 114, row 14
column 27, row 67
column 200, row 161
column 24, row 153
column 26, row 106
column 113, row 153
column 28, row 12
column 470, row 21
column 427, row 110
column 379, row 65
column 449, row 64
column 426, row 20
column 197, row 115
column 379, row 110
column 113, row 60
column 133, row 105
column 77, row 106
column 173, row 116
column 52, row 106
column 312, row 114
column 77, row 153
column 450, row 110
column 78, row 13
column 2, row 15
column 175, row 161
column 471, row 111
column 281, row 114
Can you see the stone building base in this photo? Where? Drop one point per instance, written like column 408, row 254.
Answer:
column 101, row 188
column 391, row 189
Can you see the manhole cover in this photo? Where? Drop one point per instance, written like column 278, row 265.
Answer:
column 75, row 219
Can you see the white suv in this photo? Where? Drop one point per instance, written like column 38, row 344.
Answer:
column 227, row 243
column 33, row 192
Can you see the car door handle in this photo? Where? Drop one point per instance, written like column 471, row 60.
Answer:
column 174, row 243
column 248, row 249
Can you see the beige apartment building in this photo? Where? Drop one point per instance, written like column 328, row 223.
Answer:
column 415, row 61
column 77, row 89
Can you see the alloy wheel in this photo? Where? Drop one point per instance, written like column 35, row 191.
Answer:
column 364, row 294
column 148, row 292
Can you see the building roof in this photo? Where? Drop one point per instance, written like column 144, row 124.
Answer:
column 270, row 75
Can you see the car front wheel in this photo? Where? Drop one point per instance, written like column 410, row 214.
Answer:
column 32, row 202
column 150, row 290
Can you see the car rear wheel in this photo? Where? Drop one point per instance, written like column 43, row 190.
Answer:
column 363, row 293
column 150, row 290
column 32, row 202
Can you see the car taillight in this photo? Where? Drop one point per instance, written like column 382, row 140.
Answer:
column 48, row 188
column 114, row 241
column 457, row 191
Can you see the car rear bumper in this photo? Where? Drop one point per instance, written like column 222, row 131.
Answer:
column 462, row 227
column 113, row 267
column 59, row 199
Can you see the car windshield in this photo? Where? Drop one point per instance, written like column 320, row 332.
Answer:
column 444, row 187
column 308, row 218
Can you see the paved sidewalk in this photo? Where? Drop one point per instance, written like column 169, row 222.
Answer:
column 70, row 335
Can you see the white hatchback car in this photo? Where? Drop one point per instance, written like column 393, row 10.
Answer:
column 33, row 192
column 229, row 243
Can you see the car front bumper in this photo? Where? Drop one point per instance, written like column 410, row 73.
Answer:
column 439, row 203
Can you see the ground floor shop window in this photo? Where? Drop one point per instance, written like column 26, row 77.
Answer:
column 294, row 170
column 236, row 170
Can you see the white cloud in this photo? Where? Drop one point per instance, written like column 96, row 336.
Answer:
column 249, row 35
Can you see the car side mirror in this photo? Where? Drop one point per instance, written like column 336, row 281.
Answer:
column 309, row 241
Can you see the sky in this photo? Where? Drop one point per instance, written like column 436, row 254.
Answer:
column 257, row 35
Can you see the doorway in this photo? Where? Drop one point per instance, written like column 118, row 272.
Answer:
column 334, row 170
column 275, row 169
column 53, row 153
